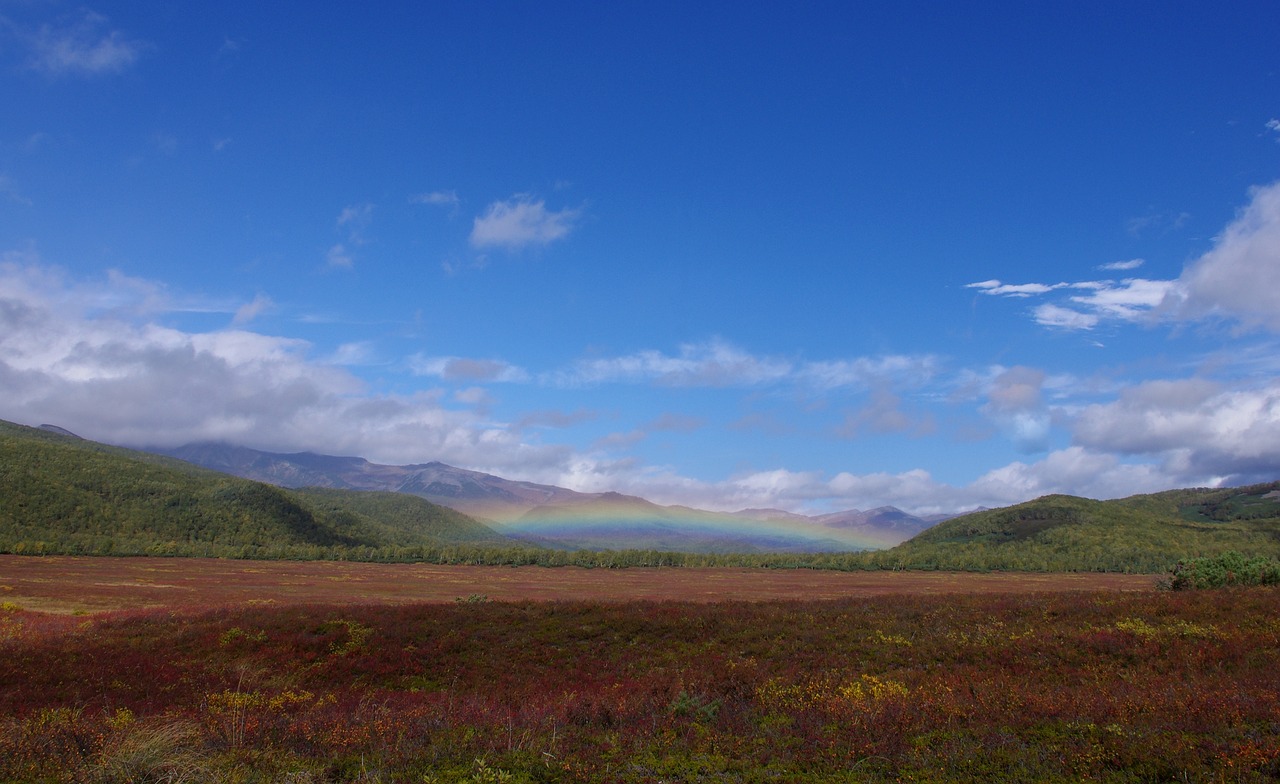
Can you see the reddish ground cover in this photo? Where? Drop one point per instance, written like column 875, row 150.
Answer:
column 1122, row 687
column 75, row 584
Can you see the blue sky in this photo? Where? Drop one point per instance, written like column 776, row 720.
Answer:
column 814, row 256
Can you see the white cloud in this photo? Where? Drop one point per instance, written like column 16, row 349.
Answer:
column 1196, row 426
column 864, row 372
column 1015, row 403
column 714, row 363
column 1122, row 265
column 1236, row 280
column 251, row 310
column 717, row 363
column 1073, row 471
column 91, row 356
column 1128, row 300
column 1239, row 278
column 1274, row 125
column 521, row 221
column 356, row 216
column 111, row 374
column 83, row 46
column 997, row 289
column 1050, row 315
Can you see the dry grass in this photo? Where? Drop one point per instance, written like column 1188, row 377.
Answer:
column 67, row 584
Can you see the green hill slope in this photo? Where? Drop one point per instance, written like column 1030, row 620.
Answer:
column 67, row 495
column 1146, row 533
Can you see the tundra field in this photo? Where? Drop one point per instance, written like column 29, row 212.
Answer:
column 124, row 670
column 88, row 584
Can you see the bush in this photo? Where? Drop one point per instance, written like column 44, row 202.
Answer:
column 1229, row 568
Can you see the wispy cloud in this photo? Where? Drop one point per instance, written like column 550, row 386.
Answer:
column 555, row 419
column 356, row 216
column 717, row 363
column 351, row 222
column 997, row 289
column 1122, row 265
column 884, row 413
column 1015, row 403
column 82, row 46
column 10, row 192
column 467, row 370
column 520, row 222
column 436, row 198
column 339, row 257
column 251, row 310
column 1050, row 315
column 711, row 364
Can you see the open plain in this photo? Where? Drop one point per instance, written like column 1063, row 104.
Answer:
column 65, row 584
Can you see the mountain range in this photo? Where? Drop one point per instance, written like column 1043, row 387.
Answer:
column 63, row 494
column 558, row 517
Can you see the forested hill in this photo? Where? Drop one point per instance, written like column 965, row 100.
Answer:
column 59, row 493
column 1144, row 533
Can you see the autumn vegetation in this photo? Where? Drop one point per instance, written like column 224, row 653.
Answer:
column 1147, row 686
column 1102, row 685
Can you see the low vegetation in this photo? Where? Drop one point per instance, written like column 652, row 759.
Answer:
column 1113, row 687
column 1228, row 569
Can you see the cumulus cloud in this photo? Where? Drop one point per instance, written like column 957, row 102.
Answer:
column 82, row 46
column 1196, row 426
column 85, row 356
column 1237, row 278
column 520, row 222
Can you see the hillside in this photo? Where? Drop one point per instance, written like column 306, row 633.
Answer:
column 65, row 494
column 1141, row 533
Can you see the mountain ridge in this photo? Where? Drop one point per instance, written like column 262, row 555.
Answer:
column 506, row 504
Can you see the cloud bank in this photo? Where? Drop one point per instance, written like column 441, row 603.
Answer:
column 94, row 357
